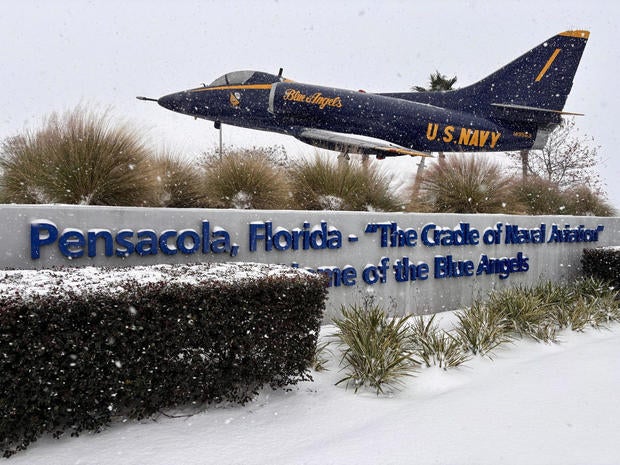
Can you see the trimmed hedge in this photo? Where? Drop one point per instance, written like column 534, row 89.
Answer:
column 74, row 361
column 602, row 263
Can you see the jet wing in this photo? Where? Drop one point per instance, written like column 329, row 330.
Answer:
column 349, row 143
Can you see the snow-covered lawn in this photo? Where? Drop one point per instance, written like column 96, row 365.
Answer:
column 533, row 404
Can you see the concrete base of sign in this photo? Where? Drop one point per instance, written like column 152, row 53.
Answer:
column 407, row 262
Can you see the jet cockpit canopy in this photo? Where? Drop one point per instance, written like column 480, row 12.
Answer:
column 238, row 78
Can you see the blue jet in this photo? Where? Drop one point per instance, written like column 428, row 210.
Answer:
column 514, row 108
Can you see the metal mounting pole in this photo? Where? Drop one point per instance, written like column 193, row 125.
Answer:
column 221, row 150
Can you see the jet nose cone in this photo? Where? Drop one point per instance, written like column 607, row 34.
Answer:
column 179, row 101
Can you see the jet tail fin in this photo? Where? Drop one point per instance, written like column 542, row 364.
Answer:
column 533, row 88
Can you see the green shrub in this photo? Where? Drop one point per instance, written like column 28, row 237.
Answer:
column 602, row 264
column 434, row 346
column 245, row 179
column 463, row 184
column 74, row 362
column 374, row 348
column 180, row 182
column 77, row 158
column 482, row 328
column 322, row 183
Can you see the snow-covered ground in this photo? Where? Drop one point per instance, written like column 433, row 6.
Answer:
column 533, row 404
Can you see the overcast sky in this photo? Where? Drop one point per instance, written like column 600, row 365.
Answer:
column 58, row 54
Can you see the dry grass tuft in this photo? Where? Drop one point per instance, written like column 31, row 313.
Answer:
column 245, row 179
column 79, row 157
column 463, row 184
column 324, row 183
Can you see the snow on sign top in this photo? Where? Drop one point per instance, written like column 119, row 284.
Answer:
column 30, row 283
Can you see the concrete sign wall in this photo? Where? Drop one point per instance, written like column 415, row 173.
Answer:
column 418, row 262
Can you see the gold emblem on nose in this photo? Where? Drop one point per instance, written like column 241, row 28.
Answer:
column 234, row 100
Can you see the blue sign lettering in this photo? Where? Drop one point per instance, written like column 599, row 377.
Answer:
column 74, row 243
column 392, row 235
column 282, row 239
column 464, row 234
column 405, row 271
column 446, row 267
column 579, row 234
column 517, row 235
column 503, row 266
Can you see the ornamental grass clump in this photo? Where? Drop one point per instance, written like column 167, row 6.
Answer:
column 321, row 183
column 555, row 294
column 558, row 300
column 434, row 346
column 463, row 184
column 245, row 179
column 527, row 313
column 608, row 297
column 539, row 312
column 79, row 157
column 609, row 309
column 590, row 302
column 594, row 287
column 481, row 329
column 538, row 196
column 179, row 183
column 375, row 351
column 583, row 312
column 583, row 201
column 321, row 357
column 378, row 351
column 561, row 302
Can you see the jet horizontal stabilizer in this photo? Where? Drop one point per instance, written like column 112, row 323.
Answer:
column 511, row 112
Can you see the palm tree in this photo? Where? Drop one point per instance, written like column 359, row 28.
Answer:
column 438, row 82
